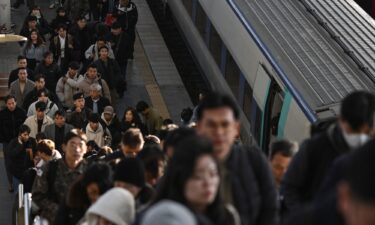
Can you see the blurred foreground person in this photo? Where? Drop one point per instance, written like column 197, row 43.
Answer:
column 246, row 179
column 51, row 186
column 192, row 179
column 311, row 164
column 116, row 207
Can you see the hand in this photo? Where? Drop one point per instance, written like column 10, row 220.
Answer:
column 65, row 79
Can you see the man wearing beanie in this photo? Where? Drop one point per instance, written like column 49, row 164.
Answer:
column 77, row 116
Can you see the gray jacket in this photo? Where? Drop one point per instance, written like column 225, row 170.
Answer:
column 50, row 130
column 15, row 90
column 84, row 86
column 66, row 88
column 34, row 52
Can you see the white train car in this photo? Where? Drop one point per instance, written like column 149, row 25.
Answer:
column 287, row 63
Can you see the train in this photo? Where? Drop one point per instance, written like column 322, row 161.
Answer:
column 287, row 63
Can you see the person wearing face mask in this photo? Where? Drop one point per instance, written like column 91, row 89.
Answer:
column 311, row 164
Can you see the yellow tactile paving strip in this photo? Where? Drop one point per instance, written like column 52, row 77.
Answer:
column 151, row 85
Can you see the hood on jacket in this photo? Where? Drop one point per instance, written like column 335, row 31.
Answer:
column 105, row 121
column 116, row 205
column 98, row 131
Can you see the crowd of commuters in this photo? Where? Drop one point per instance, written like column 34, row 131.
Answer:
column 84, row 164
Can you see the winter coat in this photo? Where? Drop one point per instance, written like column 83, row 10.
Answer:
column 310, row 165
column 99, row 136
column 19, row 159
column 110, row 73
column 71, row 52
column 50, row 109
column 10, row 123
column 124, row 126
column 76, row 8
column 121, row 46
column 128, row 19
column 33, row 96
column 84, row 86
column 83, row 39
column 114, row 128
column 93, row 50
column 252, row 186
column 32, row 122
column 60, row 20
column 65, row 89
column 34, row 52
column 16, row 91
column 51, row 72
column 116, row 205
column 102, row 103
column 153, row 122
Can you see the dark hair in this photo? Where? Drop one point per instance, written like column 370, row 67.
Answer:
column 39, row 76
column 98, row 173
column 73, row 134
column 81, row 17
column 360, row 173
column 8, row 97
column 42, row 91
column 31, row 18
column 101, row 38
column 93, row 66
column 40, row 106
column 60, row 9
column 186, row 114
column 358, row 109
column 174, row 137
column 217, row 100
column 43, row 147
column 142, row 106
column 132, row 137
column 150, row 157
column 59, row 112
column 24, row 128
column 136, row 119
column 40, row 136
column 167, row 122
column 39, row 39
column 283, row 147
column 46, row 54
column 181, row 168
column 20, row 57
column 74, row 65
column 93, row 145
column 116, row 25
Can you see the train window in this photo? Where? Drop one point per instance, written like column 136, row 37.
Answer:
column 188, row 6
column 201, row 21
column 215, row 45
column 232, row 75
column 247, row 101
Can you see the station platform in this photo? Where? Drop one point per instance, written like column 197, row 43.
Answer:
column 152, row 77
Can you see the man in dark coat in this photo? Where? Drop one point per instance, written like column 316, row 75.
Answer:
column 96, row 102
column 21, row 63
column 246, row 179
column 121, row 43
column 58, row 130
column 81, row 35
column 12, row 117
column 310, row 165
column 79, row 114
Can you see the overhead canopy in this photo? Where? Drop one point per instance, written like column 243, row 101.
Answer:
column 5, row 38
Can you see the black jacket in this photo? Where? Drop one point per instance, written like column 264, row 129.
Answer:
column 110, row 73
column 124, row 126
column 82, row 38
column 309, row 167
column 102, row 103
column 121, row 46
column 253, row 189
column 129, row 19
column 51, row 72
column 10, row 123
column 78, row 120
column 114, row 129
column 71, row 51
column 13, row 76
column 32, row 97
column 59, row 20
column 19, row 160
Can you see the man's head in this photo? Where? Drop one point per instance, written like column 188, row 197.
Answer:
column 218, row 119
column 10, row 102
column 108, row 113
column 73, row 69
column 45, row 148
column 40, row 81
column 143, row 108
column 22, row 74
column 94, row 119
column 132, row 142
column 24, row 133
column 357, row 118
column 116, row 28
column 92, row 71
column 21, row 61
column 48, row 58
column 129, row 174
column 81, row 22
column 79, row 100
column 43, row 95
column 282, row 152
column 74, row 146
column 59, row 118
column 40, row 108
column 95, row 91
column 32, row 22
column 61, row 30
column 101, row 42
column 154, row 162
column 103, row 52
column 356, row 195
column 61, row 12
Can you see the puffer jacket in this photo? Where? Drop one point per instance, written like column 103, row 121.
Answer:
column 84, row 86
column 93, row 50
column 99, row 136
column 66, row 88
